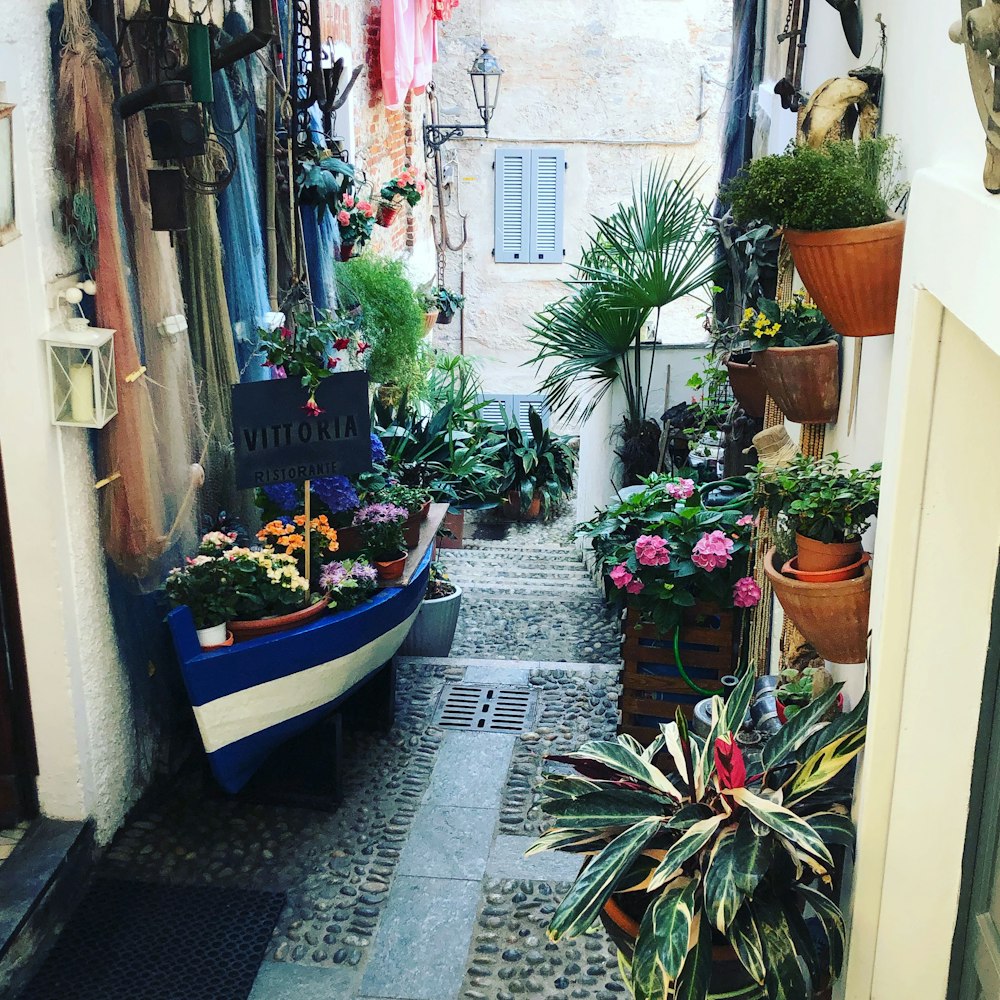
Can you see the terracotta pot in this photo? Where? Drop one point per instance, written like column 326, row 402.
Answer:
column 532, row 511
column 411, row 530
column 386, row 214
column 783, row 713
column 391, row 569
column 454, row 521
column 852, row 274
column 346, row 251
column 832, row 616
column 244, row 630
column 819, row 557
column 729, row 978
column 425, row 511
column 791, row 568
column 803, row 381
column 430, row 318
column 748, row 386
column 350, row 541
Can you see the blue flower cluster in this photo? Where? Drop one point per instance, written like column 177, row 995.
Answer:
column 283, row 495
column 337, row 493
column 378, row 451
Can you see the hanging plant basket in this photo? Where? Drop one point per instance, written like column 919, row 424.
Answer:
column 831, row 616
column 747, row 383
column 387, row 214
column 347, row 251
column 803, row 381
column 244, row 630
column 852, row 274
column 430, row 318
column 445, row 316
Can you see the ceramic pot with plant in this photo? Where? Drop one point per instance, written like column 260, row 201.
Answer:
column 448, row 303
column 405, row 189
column 537, row 467
column 381, row 526
column 796, row 352
column 414, row 499
column 204, row 585
column 799, row 688
column 716, row 845
column 746, row 382
column 834, row 205
column 349, row 583
column 356, row 220
column 829, row 505
column 433, row 631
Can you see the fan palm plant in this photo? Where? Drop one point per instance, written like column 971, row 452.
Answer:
column 656, row 248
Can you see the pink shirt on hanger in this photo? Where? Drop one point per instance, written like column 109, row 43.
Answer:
column 425, row 46
column 397, row 49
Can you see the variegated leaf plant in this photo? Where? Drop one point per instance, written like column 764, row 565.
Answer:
column 719, row 854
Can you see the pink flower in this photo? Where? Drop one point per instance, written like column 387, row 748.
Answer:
column 745, row 520
column 343, row 218
column 681, row 490
column 363, row 346
column 746, row 593
column 635, row 586
column 313, row 408
column 342, row 343
column 730, row 767
column 286, row 333
column 652, row 550
column 279, row 372
column 366, row 209
column 348, row 201
column 332, row 363
column 712, row 551
column 620, row 576
column 421, row 186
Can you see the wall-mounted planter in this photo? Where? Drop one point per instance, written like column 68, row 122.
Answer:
column 747, row 384
column 832, row 616
column 852, row 274
column 386, row 214
column 803, row 381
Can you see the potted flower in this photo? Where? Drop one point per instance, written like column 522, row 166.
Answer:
column 308, row 351
column 416, row 500
column 796, row 352
column 433, row 631
column 407, row 187
column 202, row 585
column 287, row 535
column 834, row 206
column 799, row 688
column 381, row 526
column 701, row 866
column 428, row 295
column 349, row 583
column 356, row 220
column 448, row 304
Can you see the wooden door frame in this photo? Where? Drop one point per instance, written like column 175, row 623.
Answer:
column 11, row 637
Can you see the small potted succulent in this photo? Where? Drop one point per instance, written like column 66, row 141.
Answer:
column 834, row 205
column 407, row 187
column 448, row 303
column 356, row 219
column 349, row 583
column 433, row 631
column 381, row 526
column 799, row 688
column 700, row 865
column 203, row 585
column 826, row 588
column 795, row 349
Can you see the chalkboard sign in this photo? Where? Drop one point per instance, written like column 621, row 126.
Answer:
column 276, row 441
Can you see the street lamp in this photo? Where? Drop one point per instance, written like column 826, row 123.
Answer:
column 485, row 75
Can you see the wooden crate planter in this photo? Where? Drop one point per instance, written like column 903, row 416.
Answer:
column 652, row 686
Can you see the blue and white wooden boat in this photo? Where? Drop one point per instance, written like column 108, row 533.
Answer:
column 250, row 698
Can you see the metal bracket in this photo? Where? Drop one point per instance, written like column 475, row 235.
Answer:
column 435, row 136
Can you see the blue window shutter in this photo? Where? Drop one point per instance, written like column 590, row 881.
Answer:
column 548, row 184
column 513, row 206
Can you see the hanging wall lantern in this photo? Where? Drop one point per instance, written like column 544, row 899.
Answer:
column 485, row 75
column 82, row 387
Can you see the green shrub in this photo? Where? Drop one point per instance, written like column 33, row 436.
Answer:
column 842, row 185
column 392, row 320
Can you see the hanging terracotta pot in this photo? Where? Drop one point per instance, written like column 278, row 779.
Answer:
column 803, row 381
column 747, row 384
column 831, row 616
column 430, row 318
column 386, row 214
column 821, row 557
column 347, row 251
column 852, row 274
column 254, row 629
column 794, row 570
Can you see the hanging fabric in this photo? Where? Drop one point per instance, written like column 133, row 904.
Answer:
column 234, row 115
column 320, row 237
column 133, row 517
column 425, row 45
column 180, row 433
column 397, row 48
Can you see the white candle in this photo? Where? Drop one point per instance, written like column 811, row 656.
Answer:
column 81, row 396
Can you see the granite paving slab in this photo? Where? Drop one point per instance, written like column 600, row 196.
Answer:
column 507, row 861
column 423, row 940
column 449, row 842
column 281, row 981
column 471, row 769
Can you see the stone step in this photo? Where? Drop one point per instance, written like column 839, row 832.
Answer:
column 471, row 571
column 522, row 566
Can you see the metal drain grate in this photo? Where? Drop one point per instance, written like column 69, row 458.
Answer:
column 485, row 708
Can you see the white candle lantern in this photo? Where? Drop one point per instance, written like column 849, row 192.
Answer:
column 82, row 385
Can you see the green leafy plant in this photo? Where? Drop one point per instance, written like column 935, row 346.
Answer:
column 794, row 325
column 448, row 302
column 410, row 497
column 356, row 219
column 841, row 185
column 536, row 464
column 202, row 583
column 264, row 583
column 408, row 186
column 392, row 321
column 799, row 688
column 439, row 585
column 323, row 180
column 710, row 852
column 654, row 249
column 823, row 498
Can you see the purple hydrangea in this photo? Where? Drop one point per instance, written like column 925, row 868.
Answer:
column 285, row 496
column 364, row 573
column 337, row 493
column 381, row 513
column 378, row 451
